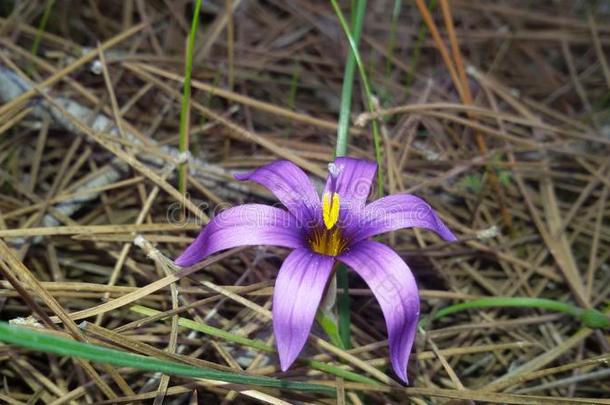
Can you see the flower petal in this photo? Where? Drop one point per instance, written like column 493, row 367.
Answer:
column 297, row 294
column 290, row 185
column 244, row 225
column 352, row 181
column 393, row 284
column 395, row 212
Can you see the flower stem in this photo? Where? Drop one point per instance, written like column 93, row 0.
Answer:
column 348, row 80
column 589, row 317
column 361, row 4
column 354, row 33
column 183, row 143
column 343, row 307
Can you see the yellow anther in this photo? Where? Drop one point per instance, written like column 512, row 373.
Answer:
column 330, row 209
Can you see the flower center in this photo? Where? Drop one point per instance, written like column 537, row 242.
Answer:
column 328, row 240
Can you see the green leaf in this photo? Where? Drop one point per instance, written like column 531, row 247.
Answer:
column 591, row 318
column 183, row 142
column 45, row 342
column 330, row 327
column 472, row 182
column 505, row 177
column 257, row 344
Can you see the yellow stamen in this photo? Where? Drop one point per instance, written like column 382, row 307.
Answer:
column 330, row 209
column 327, row 242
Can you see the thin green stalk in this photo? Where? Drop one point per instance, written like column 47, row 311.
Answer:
column 38, row 37
column 421, row 35
column 45, row 342
column 42, row 26
column 343, row 306
column 294, row 86
column 348, row 81
column 257, row 344
column 208, row 330
column 590, row 317
column 367, row 91
column 183, row 143
column 392, row 39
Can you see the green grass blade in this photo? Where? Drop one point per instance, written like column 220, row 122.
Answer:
column 421, row 35
column 392, row 39
column 44, row 342
column 588, row 316
column 38, row 37
column 256, row 344
column 41, row 27
column 183, row 143
column 208, row 330
column 504, row 302
column 294, row 87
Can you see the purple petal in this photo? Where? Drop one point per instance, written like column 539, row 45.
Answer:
column 244, row 225
column 297, row 294
column 353, row 182
column 393, row 285
column 290, row 185
column 395, row 212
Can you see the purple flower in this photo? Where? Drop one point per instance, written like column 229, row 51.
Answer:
column 337, row 227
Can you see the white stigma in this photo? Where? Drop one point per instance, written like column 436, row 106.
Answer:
column 334, row 169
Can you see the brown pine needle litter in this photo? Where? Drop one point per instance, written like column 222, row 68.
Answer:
column 505, row 130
